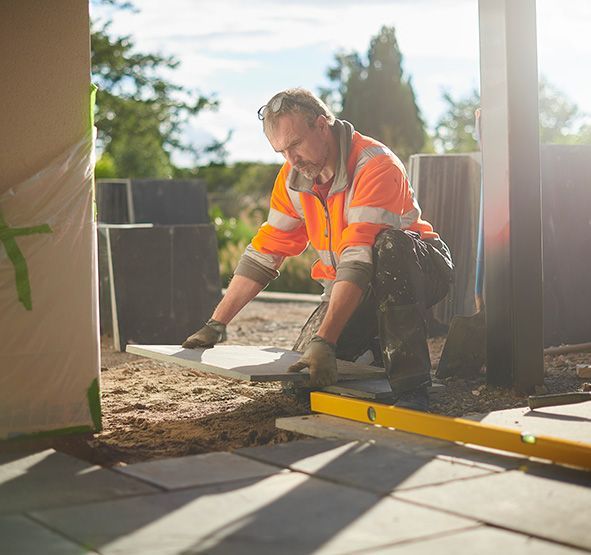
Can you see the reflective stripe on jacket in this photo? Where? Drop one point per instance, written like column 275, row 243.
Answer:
column 370, row 192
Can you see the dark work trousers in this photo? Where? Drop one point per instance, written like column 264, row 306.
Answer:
column 410, row 275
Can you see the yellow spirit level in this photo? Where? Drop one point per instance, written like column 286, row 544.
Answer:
column 454, row 429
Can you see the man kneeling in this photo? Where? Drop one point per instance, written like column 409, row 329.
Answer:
column 381, row 265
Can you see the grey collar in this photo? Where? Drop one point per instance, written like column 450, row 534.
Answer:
column 300, row 183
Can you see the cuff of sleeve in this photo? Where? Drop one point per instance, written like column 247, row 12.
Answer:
column 358, row 273
column 250, row 268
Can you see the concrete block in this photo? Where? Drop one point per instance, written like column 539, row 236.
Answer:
column 198, row 470
column 565, row 171
column 169, row 201
column 163, row 281
column 114, row 204
column 249, row 363
column 450, row 184
column 153, row 201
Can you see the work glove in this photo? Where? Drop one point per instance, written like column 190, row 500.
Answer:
column 320, row 357
column 211, row 333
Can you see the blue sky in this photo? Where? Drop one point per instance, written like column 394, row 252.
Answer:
column 246, row 51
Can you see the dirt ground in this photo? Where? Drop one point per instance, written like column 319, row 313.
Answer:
column 155, row 410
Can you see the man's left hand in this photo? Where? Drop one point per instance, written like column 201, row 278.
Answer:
column 320, row 357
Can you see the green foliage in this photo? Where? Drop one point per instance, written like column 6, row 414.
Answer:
column 105, row 167
column 230, row 230
column 455, row 131
column 376, row 97
column 140, row 114
column 234, row 234
column 295, row 275
column 583, row 137
column 559, row 117
column 561, row 121
column 240, row 189
column 256, row 180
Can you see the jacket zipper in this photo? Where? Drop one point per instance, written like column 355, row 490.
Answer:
column 327, row 230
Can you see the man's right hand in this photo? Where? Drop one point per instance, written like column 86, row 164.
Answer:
column 211, row 333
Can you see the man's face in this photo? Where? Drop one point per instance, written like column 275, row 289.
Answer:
column 304, row 147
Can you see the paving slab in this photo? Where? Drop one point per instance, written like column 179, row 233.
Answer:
column 326, row 426
column 249, row 363
column 550, row 508
column 19, row 535
column 363, row 464
column 377, row 389
column 482, row 540
column 287, row 513
column 37, row 480
column 198, row 470
column 570, row 422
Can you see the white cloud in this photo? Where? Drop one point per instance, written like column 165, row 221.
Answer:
column 268, row 26
column 197, row 67
column 236, row 47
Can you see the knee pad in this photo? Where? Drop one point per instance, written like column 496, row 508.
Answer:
column 397, row 272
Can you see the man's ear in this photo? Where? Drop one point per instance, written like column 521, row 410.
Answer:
column 322, row 123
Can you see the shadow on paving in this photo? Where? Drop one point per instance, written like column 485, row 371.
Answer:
column 285, row 513
column 44, row 479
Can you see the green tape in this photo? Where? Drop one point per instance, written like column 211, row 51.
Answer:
column 24, row 436
column 93, row 395
column 15, row 255
column 93, row 89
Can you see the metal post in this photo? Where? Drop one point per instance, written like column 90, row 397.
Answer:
column 512, row 197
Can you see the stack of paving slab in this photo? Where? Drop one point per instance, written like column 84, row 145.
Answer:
column 158, row 264
column 448, row 190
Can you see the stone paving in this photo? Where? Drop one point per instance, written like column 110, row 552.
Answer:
column 358, row 489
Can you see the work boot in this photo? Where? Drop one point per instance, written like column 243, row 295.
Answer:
column 403, row 336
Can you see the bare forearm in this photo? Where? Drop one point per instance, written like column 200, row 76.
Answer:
column 344, row 299
column 240, row 292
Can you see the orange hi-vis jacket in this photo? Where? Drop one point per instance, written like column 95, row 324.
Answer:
column 370, row 192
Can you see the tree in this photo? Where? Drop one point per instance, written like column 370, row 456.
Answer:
column 455, row 131
column 140, row 114
column 560, row 120
column 375, row 95
column 559, row 117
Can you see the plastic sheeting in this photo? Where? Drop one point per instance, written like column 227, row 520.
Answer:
column 50, row 348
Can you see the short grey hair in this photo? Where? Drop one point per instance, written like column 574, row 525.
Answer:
column 294, row 100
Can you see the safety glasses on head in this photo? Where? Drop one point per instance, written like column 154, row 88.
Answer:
column 277, row 102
